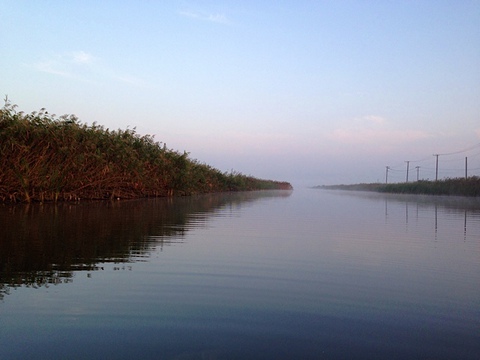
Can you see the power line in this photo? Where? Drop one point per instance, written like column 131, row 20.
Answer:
column 396, row 168
column 420, row 160
column 462, row 151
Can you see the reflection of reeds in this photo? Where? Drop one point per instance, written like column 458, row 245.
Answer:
column 44, row 158
column 44, row 244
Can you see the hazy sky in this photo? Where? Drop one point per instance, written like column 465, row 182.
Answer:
column 312, row 92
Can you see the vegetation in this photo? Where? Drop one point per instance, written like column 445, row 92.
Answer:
column 45, row 158
column 457, row 186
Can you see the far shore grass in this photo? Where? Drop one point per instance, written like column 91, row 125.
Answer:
column 451, row 187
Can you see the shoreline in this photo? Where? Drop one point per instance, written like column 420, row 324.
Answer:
column 467, row 187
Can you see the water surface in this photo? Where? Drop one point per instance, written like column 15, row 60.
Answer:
column 308, row 274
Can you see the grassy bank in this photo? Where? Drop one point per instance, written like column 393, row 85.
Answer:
column 454, row 187
column 45, row 158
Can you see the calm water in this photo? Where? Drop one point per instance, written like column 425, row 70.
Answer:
column 308, row 274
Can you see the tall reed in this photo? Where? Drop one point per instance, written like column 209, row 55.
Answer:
column 49, row 158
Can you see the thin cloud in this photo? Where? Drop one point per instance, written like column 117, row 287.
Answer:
column 373, row 129
column 374, row 119
column 218, row 18
column 131, row 80
column 65, row 64
column 52, row 67
column 82, row 66
column 82, row 57
column 375, row 136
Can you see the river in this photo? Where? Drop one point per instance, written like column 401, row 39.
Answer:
column 303, row 274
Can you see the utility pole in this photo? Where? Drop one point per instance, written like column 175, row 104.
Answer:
column 466, row 168
column 418, row 170
column 436, row 167
column 408, row 166
column 386, row 174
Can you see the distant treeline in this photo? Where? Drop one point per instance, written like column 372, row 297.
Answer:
column 457, row 187
column 45, row 158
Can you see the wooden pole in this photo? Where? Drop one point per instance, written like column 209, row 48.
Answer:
column 408, row 166
column 466, row 173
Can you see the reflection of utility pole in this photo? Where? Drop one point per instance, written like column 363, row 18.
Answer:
column 418, row 170
column 436, row 167
column 386, row 174
column 408, row 165
column 406, row 214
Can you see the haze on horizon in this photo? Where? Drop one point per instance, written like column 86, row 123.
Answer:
column 311, row 92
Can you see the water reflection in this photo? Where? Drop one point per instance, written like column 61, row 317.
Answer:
column 447, row 212
column 46, row 243
column 313, row 275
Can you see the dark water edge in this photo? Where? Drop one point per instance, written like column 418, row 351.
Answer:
column 360, row 340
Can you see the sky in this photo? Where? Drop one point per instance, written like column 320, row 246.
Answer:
column 311, row 92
